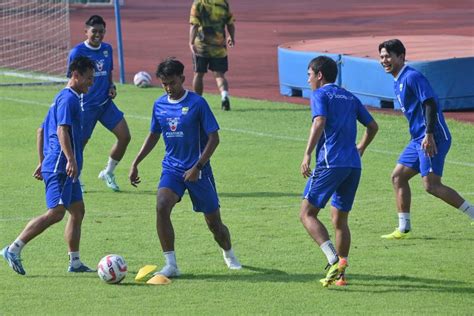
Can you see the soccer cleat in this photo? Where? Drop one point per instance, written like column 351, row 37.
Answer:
column 225, row 104
column 14, row 261
column 232, row 263
column 341, row 280
column 145, row 273
column 169, row 271
column 334, row 271
column 396, row 235
column 109, row 179
column 80, row 269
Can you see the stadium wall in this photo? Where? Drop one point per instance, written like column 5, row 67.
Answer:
column 367, row 80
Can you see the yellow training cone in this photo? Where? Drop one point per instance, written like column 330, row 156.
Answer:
column 145, row 273
column 159, row 280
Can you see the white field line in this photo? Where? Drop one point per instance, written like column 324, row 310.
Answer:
column 248, row 132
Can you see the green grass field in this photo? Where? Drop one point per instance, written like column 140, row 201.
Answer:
column 257, row 171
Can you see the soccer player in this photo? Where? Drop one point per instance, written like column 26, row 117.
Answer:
column 430, row 138
column 207, row 41
column 190, row 133
column 59, row 143
column 335, row 113
column 97, row 104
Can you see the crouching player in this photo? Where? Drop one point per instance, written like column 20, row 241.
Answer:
column 190, row 133
column 60, row 152
column 335, row 113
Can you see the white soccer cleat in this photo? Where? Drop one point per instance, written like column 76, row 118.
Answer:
column 169, row 271
column 232, row 263
column 109, row 180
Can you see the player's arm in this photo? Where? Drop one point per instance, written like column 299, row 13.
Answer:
column 317, row 128
column 39, row 146
column 211, row 145
column 231, row 38
column 66, row 147
column 112, row 87
column 193, row 31
column 371, row 130
column 150, row 142
column 428, row 144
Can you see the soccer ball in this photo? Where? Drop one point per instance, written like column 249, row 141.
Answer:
column 112, row 269
column 142, row 79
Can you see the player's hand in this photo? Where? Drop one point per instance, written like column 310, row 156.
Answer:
column 305, row 166
column 360, row 150
column 133, row 176
column 37, row 173
column 192, row 174
column 429, row 145
column 112, row 91
column 72, row 169
column 230, row 42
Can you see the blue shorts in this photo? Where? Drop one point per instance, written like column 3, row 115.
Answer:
column 202, row 192
column 61, row 190
column 414, row 157
column 108, row 115
column 340, row 183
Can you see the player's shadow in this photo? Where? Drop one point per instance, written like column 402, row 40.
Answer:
column 258, row 194
column 256, row 275
column 396, row 283
column 131, row 191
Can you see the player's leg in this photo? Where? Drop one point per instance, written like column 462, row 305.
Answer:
column 170, row 190
column 432, row 172
column 219, row 67
column 55, row 185
column 200, row 68
column 72, row 235
column 407, row 167
column 113, row 119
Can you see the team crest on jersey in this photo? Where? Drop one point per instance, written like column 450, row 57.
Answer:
column 106, row 54
column 401, row 87
column 99, row 65
column 185, row 110
column 173, row 123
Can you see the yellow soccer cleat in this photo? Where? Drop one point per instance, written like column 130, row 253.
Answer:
column 396, row 235
column 334, row 272
column 145, row 273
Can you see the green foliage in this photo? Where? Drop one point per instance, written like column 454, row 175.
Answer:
column 257, row 172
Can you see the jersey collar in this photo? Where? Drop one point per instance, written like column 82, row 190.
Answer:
column 180, row 99
column 75, row 93
column 400, row 73
column 91, row 47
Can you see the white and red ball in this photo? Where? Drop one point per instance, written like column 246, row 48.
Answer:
column 142, row 79
column 112, row 269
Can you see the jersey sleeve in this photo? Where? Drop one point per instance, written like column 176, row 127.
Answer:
column 65, row 108
column 208, row 120
column 155, row 126
column 420, row 86
column 111, row 52
column 230, row 17
column 194, row 16
column 319, row 104
column 363, row 116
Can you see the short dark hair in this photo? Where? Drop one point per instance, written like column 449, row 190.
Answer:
column 94, row 20
column 169, row 67
column 81, row 64
column 326, row 65
column 393, row 45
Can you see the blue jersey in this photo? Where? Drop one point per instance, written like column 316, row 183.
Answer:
column 185, row 125
column 337, row 145
column 412, row 89
column 102, row 57
column 66, row 110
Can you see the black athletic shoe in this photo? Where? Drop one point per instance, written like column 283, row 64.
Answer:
column 225, row 104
